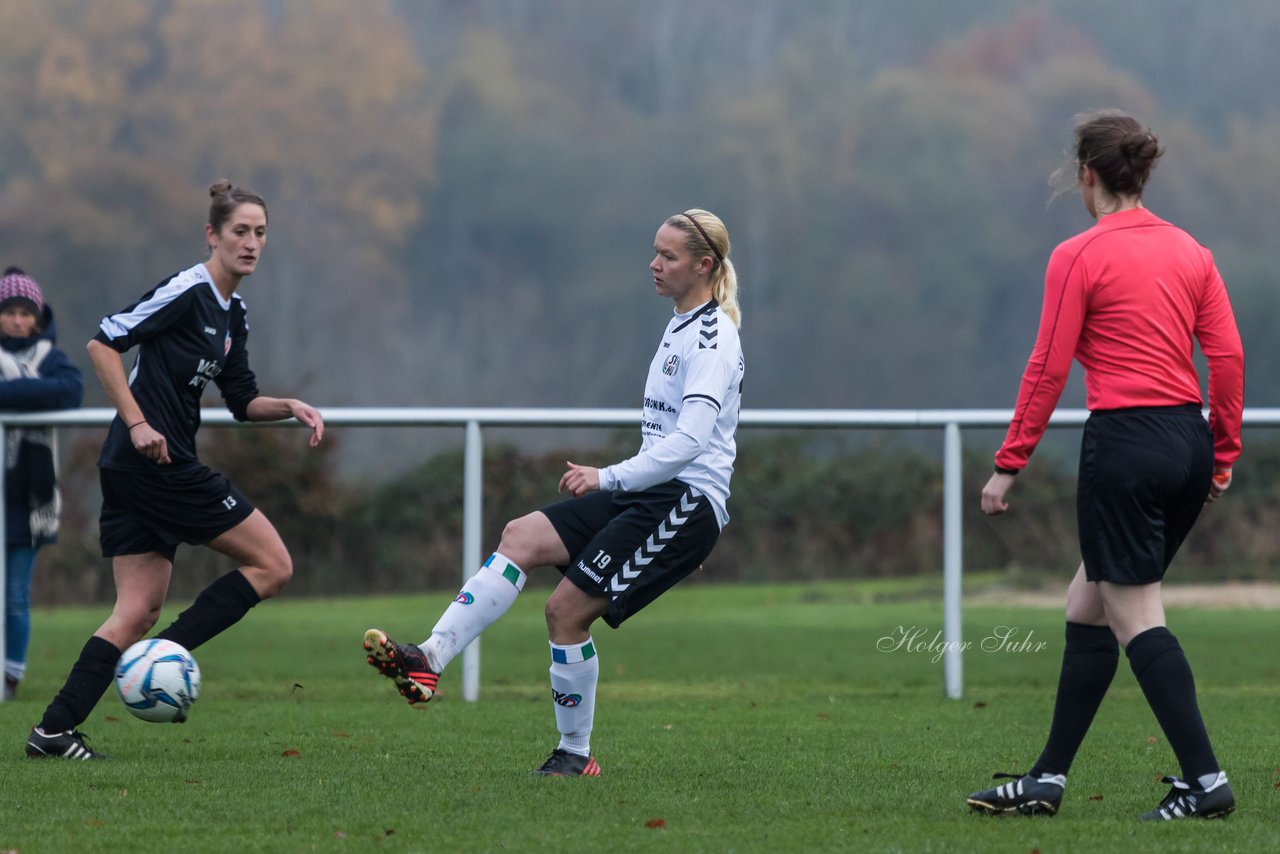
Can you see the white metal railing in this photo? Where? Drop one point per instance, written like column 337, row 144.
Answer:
column 950, row 421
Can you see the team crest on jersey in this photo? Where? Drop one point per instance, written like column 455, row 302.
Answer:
column 226, row 343
column 671, row 365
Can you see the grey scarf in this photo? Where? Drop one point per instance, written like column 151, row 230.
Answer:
column 31, row 453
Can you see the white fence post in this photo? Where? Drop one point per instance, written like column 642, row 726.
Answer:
column 472, row 517
column 952, row 560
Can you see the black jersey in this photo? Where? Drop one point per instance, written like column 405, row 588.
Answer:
column 186, row 334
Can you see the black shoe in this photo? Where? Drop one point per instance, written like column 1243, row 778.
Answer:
column 1187, row 801
column 562, row 763
column 404, row 664
column 63, row 745
column 1028, row 795
column 10, row 688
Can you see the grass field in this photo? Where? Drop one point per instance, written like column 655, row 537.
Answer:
column 746, row 718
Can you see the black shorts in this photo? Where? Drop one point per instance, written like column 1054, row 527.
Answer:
column 631, row 547
column 154, row 510
column 1144, row 477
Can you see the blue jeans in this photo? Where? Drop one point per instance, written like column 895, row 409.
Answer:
column 20, row 563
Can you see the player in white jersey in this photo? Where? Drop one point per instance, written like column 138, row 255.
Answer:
column 633, row 529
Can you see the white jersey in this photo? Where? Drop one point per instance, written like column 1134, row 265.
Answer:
column 690, row 416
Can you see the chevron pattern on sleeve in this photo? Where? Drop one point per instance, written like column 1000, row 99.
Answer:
column 707, row 334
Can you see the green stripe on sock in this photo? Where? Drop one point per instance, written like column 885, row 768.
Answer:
column 512, row 574
column 588, row 651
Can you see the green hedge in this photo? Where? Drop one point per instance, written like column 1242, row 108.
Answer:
column 803, row 507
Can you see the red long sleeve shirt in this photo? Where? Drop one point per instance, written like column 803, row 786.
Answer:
column 1128, row 298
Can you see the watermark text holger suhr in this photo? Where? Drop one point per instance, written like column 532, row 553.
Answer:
column 919, row 639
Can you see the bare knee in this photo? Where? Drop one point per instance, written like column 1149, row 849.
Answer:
column 531, row 541
column 129, row 622
column 570, row 612
column 271, row 572
column 1086, row 612
column 146, row 622
column 1084, row 601
column 563, row 618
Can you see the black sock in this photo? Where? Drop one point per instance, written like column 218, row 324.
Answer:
column 1165, row 676
column 1089, row 662
column 218, row 607
column 88, row 679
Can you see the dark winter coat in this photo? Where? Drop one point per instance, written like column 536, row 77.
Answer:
column 35, row 376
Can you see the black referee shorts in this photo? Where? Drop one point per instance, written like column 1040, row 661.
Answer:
column 155, row 509
column 1144, row 477
column 631, row 547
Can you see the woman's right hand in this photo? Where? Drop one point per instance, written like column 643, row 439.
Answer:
column 150, row 443
column 1221, row 483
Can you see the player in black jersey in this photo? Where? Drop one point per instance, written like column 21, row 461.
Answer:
column 156, row 493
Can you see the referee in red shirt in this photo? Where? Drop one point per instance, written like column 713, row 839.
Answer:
column 1128, row 298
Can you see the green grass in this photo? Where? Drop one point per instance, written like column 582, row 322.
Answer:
column 744, row 718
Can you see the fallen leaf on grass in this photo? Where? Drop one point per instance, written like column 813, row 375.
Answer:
column 291, row 753
column 192, row 782
column 1095, row 797
column 981, row 704
column 823, row 715
column 1151, row 739
column 667, row 727
column 655, row 824
column 94, row 822
column 112, row 718
column 342, row 735
column 339, row 834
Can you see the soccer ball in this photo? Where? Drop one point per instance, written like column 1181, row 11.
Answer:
column 158, row 680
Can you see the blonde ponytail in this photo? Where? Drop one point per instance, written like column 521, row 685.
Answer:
column 724, row 287
column 706, row 235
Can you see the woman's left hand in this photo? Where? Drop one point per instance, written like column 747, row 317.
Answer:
column 310, row 416
column 579, row 480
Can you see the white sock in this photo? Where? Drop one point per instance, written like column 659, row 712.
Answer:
column 575, row 669
column 484, row 598
column 15, row 670
column 1209, row 782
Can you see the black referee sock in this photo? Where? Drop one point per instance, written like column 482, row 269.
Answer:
column 1165, row 676
column 88, row 679
column 218, row 607
column 1089, row 662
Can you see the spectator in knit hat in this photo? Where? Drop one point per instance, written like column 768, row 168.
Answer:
column 35, row 376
